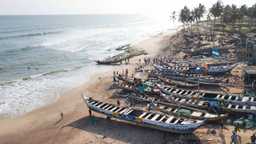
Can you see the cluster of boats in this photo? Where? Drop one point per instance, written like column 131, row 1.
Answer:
column 192, row 76
column 170, row 108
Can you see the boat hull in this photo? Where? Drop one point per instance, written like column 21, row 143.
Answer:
column 146, row 122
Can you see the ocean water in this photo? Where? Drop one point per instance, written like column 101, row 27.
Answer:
column 43, row 56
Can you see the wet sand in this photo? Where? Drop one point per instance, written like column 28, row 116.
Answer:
column 46, row 126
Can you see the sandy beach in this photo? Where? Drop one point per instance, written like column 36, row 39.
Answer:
column 46, row 126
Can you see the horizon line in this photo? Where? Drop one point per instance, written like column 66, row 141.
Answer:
column 69, row 14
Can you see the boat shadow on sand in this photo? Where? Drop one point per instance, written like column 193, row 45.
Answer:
column 130, row 133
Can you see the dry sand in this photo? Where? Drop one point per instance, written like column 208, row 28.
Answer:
column 45, row 126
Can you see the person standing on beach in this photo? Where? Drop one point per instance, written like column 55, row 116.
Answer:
column 234, row 138
column 253, row 139
column 118, row 102
column 114, row 76
column 61, row 117
column 126, row 73
column 90, row 112
column 145, row 61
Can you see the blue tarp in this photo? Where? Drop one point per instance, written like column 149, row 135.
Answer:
column 214, row 105
column 141, row 88
column 215, row 52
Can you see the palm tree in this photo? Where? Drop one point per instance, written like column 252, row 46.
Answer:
column 198, row 12
column 184, row 16
column 226, row 16
column 227, row 13
column 251, row 13
column 235, row 14
column 209, row 20
column 192, row 17
column 243, row 10
column 201, row 10
column 216, row 10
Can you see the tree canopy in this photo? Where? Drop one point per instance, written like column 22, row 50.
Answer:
column 217, row 9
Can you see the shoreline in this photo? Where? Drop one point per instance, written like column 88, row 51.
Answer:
column 46, row 126
column 54, row 94
column 43, row 120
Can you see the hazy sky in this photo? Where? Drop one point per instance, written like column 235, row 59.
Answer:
column 149, row 7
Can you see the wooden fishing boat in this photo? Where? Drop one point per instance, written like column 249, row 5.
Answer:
column 189, row 78
column 190, row 112
column 203, row 104
column 178, row 83
column 181, row 70
column 120, row 57
column 193, row 77
column 142, row 118
column 213, row 69
column 220, row 69
column 227, row 98
column 115, row 59
column 174, row 109
column 175, row 67
column 130, row 87
column 112, row 60
column 190, row 99
column 195, row 94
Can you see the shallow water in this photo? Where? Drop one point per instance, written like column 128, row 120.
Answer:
column 42, row 56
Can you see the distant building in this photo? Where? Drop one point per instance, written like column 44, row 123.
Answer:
column 251, row 54
column 247, row 49
column 250, row 75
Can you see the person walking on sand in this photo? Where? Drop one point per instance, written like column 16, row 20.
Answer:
column 126, row 73
column 253, row 139
column 114, row 76
column 61, row 116
column 234, row 138
column 118, row 103
column 222, row 124
column 90, row 112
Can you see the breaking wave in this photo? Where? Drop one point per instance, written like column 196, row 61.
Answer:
column 30, row 35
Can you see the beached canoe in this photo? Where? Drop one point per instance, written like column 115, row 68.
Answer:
column 112, row 60
column 227, row 98
column 191, row 100
column 195, row 94
column 213, row 69
column 176, row 109
column 178, row 83
column 119, row 58
column 204, row 104
column 189, row 78
column 155, row 120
